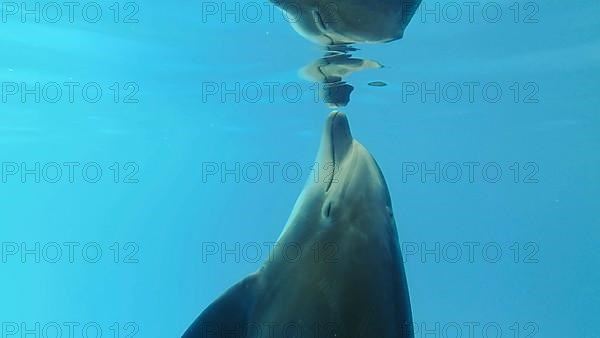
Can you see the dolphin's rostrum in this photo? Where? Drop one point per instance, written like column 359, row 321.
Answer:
column 345, row 277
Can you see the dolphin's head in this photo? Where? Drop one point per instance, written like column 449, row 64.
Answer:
column 347, row 189
column 331, row 22
column 353, row 186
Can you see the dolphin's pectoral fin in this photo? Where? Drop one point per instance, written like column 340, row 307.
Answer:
column 229, row 313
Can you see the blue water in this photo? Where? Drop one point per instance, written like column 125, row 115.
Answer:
column 163, row 207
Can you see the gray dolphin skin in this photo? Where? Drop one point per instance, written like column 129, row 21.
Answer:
column 336, row 270
column 333, row 22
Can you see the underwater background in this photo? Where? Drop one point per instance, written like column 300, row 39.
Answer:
column 136, row 141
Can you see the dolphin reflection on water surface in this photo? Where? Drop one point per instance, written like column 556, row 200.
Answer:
column 336, row 24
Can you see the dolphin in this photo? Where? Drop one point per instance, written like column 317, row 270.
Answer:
column 334, row 22
column 336, row 270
